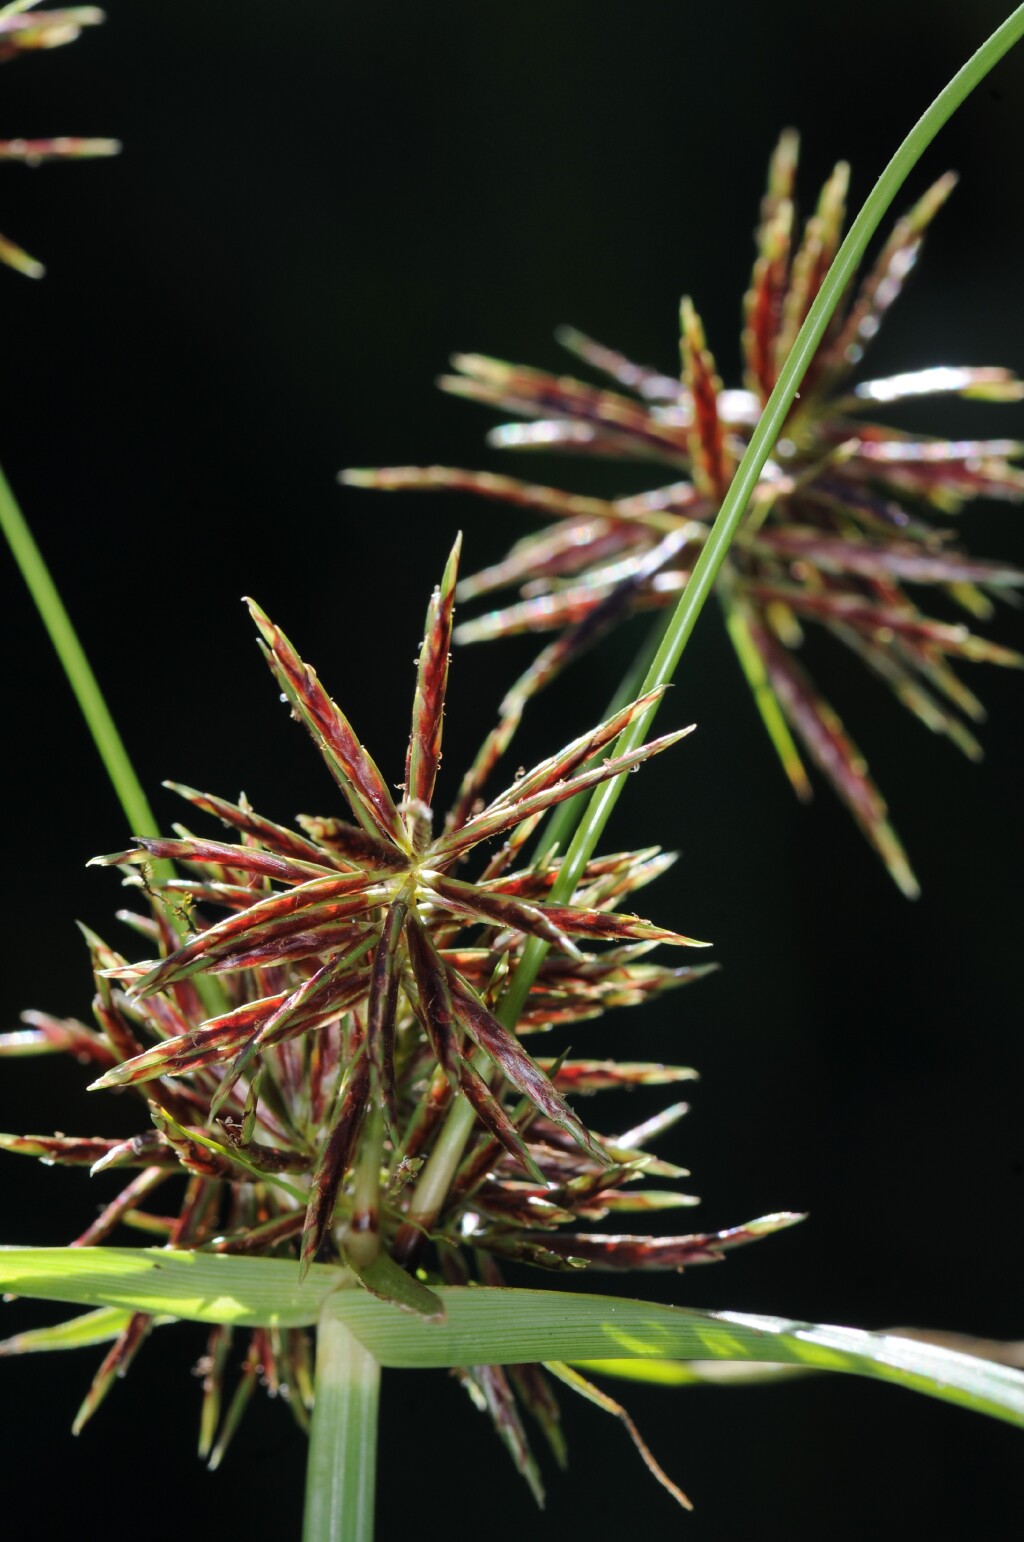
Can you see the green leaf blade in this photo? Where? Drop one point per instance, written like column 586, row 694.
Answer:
column 497, row 1326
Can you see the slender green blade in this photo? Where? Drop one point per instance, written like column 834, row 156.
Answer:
column 97, row 1327
column 497, row 1326
column 197, row 1287
column 510, row 1326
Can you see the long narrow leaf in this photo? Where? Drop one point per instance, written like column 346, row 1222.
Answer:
column 496, row 1326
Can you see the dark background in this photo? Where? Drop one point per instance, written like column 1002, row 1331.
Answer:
column 315, row 205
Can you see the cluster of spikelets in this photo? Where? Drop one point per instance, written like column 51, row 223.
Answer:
column 23, row 30
column 848, row 512
column 361, row 984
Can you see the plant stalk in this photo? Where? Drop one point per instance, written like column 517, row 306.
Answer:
column 342, row 1464
column 83, row 682
column 109, row 744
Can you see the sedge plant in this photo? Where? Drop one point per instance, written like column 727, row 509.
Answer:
column 326, row 1029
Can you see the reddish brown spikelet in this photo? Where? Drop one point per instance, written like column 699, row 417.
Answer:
column 77, row 1151
column 46, row 1035
column 335, row 1158
column 274, row 837
column 602, row 1075
column 494, row 1118
column 424, row 755
column 357, row 775
column 382, row 1005
column 883, row 283
column 502, row 816
column 516, row 1065
column 111, row 1215
column 499, row 909
column 827, row 742
column 762, row 306
column 434, row 998
column 609, row 419
column 24, row 33
column 115, row 1365
column 812, row 259
column 557, row 767
column 712, row 465
column 622, row 1252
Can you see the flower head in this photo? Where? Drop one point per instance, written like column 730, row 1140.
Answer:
column 362, row 986
column 847, row 519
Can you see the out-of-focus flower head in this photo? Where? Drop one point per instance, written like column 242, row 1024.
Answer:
column 848, row 519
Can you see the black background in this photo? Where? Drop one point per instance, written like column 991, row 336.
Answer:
column 315, row 205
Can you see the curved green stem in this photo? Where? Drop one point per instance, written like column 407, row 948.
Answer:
column 564, row 818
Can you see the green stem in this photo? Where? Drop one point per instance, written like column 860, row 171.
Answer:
column 566, row 816
column 83, row 682
column 436, row 1178
column 452, row 1139
column 342, row 1462
column 101, row 725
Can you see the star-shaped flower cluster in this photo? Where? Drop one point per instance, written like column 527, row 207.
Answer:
column 362, row 984
column 847, row 521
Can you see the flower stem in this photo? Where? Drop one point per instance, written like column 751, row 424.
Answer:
column 341, row 1469
column 83, row 682
column 566, row 816
column 101, row 725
